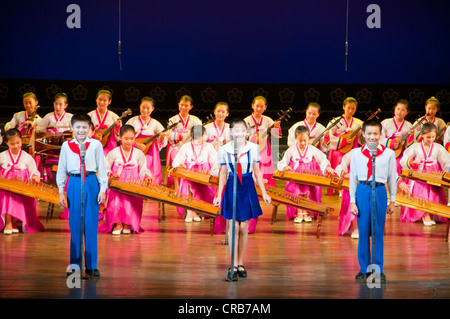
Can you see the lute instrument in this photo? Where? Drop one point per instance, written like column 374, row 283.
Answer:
column 106, row 133
column 148, row 141
column 352, row 135
column 28, row 137
column 261, row 138
column 441, row 132
column 402, row 139
column 187, row 138
column 316, row 141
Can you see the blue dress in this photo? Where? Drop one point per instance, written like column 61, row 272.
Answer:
column 247, row 201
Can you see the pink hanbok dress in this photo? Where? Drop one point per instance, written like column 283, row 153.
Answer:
column 392, row 131
column 266, row 161
column 20, row 207
column 335, row 142
column 311, row 159
column 147, row 130
column 345, row 216
column 436, row 159
column 121, row 207
column 203, row 158
column 175, row 139
column 109, row 118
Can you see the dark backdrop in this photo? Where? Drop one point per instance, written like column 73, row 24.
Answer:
column 292, row 52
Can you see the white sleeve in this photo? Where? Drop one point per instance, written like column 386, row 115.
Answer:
column 353, row 179
column 31, row 166
column 180, row 158
column 392, row 178
column 285, row 160
column 61, row 173
column 321, row 159
column 142, row 163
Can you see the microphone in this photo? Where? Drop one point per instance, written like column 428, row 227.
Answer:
column 373, row 148
column 82, row 151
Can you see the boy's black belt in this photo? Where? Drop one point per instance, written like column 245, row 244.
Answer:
column 79, row 175
column 369, row 183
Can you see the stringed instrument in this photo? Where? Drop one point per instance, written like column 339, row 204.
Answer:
column 402, row 139
column 106, row 133
column 148, row 141
column 261, row 138
column 209, row 119
column 277, row 195
column 313, row 178
column 30, row 188
column 435, row 178
column 352, row 135
column 316, row 141
column 441, row 132
column 165, row 195
column 27, row 140
column 416, row 202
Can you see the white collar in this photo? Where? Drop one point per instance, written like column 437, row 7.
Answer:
column 74, row 140
column 229, row 147
column 366, row 148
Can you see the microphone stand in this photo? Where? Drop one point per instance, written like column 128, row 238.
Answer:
column 374, row 152
column 233, row 229
column 82, row 155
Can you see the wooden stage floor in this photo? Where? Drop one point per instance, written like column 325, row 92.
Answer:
column 172, row 259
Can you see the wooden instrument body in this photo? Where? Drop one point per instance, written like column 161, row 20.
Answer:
column 415, row 202
column 209, row 119
column 148, row 141
column 438, row 178
column 44, row 141
column 440, row 134
column 316, row 141
column 29, row 136
column 163, row 194
column 402, row 139
column 28, row 142
column 401, row 146
column 313, row 178
column 260, row 138
column 106, row 133
column 32, row 189
column 351, row 136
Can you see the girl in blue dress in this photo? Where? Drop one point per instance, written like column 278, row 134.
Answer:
column 247, row 201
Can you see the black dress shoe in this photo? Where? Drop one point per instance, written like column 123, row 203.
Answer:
column 361, row 276
column 382, row 277
column 242, row 273
column 92, row 273
column 234, row 276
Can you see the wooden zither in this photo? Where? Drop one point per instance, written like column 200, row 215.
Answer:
column 30, row 188
column 435, row 178
column 312, row 178
column 165, row 195
column 278, row 195
column 416, row 202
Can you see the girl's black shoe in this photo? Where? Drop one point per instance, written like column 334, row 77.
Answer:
column 234, row 276
column 242, row 273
